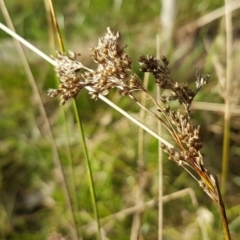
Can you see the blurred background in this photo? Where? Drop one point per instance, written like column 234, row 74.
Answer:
column 33, row 205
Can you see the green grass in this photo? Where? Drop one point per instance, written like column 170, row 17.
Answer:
column 26, row 160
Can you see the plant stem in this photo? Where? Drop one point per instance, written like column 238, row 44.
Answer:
column 227, row 113
column 89, row 169
column 222, row 211
column 160, row 160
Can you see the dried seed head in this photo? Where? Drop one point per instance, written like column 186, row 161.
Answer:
column 159, row 69
column 113, row 71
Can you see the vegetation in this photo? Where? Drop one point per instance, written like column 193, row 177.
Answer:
column 46, row 184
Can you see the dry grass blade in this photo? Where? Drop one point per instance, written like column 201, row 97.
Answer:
column 142, row 207
column 206, row 19
column 227, row 85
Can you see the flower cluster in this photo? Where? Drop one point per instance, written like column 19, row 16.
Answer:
column 161, row 73
column 179, row 123
column 68, row 70
column 113, row 71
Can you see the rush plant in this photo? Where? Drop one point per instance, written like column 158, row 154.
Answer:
column 114, row 71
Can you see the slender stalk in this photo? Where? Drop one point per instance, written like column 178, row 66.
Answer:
column 227, row 112
column 222, row 212
column 160, row 161
column 141, row 179
column 89, row 169
column 50, row 26
column 73, row 186
column 59, row 36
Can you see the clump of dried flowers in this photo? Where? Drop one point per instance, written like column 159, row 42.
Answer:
column 114, row 71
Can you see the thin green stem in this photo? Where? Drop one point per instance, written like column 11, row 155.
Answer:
column 72, row 185
column 89, row 169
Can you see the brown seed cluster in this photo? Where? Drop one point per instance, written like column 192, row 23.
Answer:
column 161, row 73
column 114, row 67
column 193, row 160
column 159, row 69
column 71, row 81
column 178, row 122
column 113, row 71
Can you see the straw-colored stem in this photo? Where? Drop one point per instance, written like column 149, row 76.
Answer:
column 59, row 37
column 160, row 161
column 136, row 223
column 227, row 113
